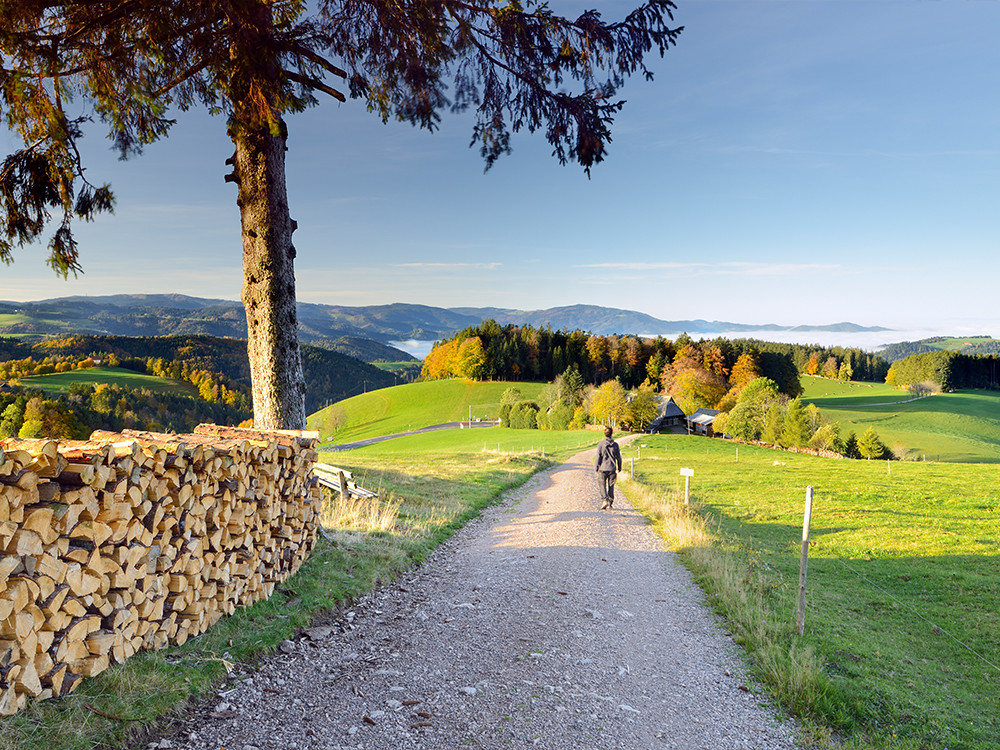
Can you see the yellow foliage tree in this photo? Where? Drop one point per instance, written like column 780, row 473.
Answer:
column 609, row 404
column 471, row 359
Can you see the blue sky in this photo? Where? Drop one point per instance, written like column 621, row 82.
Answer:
column 794, row 161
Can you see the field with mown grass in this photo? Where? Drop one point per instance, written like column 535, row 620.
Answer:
column 429, row 485
column 963, row 426
column 60, row 382
column 951, row 344
column 408, row 407
column 902, row 632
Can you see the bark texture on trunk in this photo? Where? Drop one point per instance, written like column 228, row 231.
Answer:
column 269, row 280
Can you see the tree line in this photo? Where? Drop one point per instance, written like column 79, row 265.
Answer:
column 489, row 351
column 946, row 371
column 615, row 380
column 212, row 386
column 88, row 407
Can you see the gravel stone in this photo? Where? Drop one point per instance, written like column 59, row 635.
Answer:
column 545, row 623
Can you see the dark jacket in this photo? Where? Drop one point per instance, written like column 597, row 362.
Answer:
column 609, row 457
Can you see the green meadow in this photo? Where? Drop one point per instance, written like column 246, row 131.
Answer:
column 901, row 648
column 61, row 382
column 960, row 427
column 951, row 344
column 902, row 633
column 408, row 407
column 16, row 320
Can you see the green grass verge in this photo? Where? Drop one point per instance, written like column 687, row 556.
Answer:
column 439, row 481
column 902, row 583
column 61, row 382
column 408, row 407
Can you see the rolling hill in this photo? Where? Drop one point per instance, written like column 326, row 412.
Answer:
column 330, row 376
column 176, row 314
column 959, row 427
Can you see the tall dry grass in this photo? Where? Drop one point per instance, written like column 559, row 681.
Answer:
column 357, row 514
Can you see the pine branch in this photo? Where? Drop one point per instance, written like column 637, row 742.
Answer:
column 312, row 83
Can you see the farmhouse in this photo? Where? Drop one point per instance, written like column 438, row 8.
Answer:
column 701, row 421
column 671, row 415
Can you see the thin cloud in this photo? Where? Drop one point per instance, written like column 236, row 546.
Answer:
column 487, row 266
column 729, row 268
column 864, row 153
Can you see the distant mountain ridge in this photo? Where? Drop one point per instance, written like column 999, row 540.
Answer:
column 174, row 314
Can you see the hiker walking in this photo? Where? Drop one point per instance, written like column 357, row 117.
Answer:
column 609, row 463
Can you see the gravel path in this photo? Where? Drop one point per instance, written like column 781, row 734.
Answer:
column 546, row 623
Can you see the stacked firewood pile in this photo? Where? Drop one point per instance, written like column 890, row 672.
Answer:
column 137, row 540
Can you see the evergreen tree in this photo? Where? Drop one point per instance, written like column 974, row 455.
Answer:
column 574, row 384
column 774, row 422
column 258, row 61
column 869, row 445
column 796, row 432
column 851, row 446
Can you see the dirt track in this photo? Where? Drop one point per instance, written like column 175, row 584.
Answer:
column 547, row 623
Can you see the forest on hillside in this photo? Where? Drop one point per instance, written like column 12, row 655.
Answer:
column 217, row 368
column 946, row 371
column 490, row 351
column 330, row 376
column 971, row 345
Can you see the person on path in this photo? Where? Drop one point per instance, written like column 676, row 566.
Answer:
column 609, row 463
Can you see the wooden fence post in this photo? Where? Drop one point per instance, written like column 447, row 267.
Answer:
column 801, row 620
column 344, row 492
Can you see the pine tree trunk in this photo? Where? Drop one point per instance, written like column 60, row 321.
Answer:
column 269, row 280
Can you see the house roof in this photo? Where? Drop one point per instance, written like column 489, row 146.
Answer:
column 670, row 409
column 704, row 416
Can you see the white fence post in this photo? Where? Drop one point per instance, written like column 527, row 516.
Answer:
column 801, row 619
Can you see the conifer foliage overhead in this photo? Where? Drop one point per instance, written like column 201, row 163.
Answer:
column 138, row 63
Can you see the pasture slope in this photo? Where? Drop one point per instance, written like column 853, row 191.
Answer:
column 959, row 427
column 900, row 644
column 408, row 407
column 60, row 383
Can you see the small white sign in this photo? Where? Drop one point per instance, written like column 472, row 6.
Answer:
column 687, row 472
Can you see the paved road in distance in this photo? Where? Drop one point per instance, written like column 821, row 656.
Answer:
column 432, row 428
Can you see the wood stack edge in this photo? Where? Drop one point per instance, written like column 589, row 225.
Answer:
column 139, row 540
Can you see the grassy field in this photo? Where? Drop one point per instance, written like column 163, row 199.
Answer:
column 954, row 344
column 408, row 407
column 61, row 382
column 429, row 486
column 962, row 427
column 19, row 319
column 902, row 640
column 836, row 393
